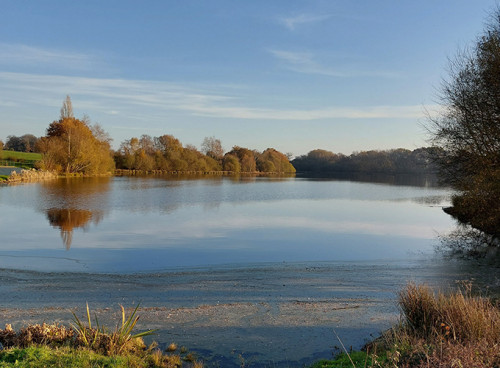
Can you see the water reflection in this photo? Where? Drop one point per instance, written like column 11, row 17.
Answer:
column 74, row 203
column 76, row 193
column 138, row 224
column 67, row 219
column 238, row 214
column 466, row 242
column 434, row 201
column 424, row 180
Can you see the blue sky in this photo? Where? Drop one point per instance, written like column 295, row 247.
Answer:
column 294, row 75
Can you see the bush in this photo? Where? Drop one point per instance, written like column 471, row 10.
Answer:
column 456, row 330
column 459, row 316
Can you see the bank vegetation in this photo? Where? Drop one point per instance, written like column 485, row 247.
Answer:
column 458, row 329
column 85, row 344
column 436, row 329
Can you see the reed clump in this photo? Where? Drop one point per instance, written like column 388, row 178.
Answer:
column 455, row 330
column 120, row 340
column 459, row 316
column 444, row 330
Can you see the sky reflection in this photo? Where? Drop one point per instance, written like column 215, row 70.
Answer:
column 152, row 223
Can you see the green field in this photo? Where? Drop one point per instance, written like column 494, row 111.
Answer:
column 24, row 160
column 20, row 156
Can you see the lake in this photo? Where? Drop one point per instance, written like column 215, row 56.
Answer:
column 130, row 224
column 255, row 268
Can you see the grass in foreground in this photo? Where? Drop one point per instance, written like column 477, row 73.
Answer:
column 44, row 356
column 436, row 330
column 356, row 359
column 38, row 356
column 86, row 346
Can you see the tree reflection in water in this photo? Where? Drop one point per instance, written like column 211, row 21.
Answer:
column 467, row 242
column 67, row 219
column 71, row 203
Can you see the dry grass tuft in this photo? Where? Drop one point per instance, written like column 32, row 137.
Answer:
column 44, row 334
column 459, row 316
column 8, row 336
column 157, row 359
column 438, row 330
column 172, row 347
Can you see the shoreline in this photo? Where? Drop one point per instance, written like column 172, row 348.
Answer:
column 272, row 315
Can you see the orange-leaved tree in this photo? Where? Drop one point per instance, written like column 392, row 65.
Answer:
column 73, row 146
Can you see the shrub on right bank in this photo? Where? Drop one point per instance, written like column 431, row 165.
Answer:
column 444, row 330
column 436, row 329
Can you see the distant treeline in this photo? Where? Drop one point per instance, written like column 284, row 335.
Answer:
column 395, row 161
column 166, row 153
column 72, row 145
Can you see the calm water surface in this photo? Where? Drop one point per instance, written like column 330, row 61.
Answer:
column 130, row 224
column 263, row 269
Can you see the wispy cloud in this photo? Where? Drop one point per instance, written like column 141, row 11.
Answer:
column 292, row 22
column 304, row 62
column 114, row 96
column 376, row 112
column 18, row 54
column 129, row 92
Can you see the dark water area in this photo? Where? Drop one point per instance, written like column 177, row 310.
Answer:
column 423, row 180
column 254, row 268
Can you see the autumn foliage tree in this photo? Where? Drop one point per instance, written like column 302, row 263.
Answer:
column 273, row 161
column 163, row 153
column 73, row 146
column 246, row 159
column 231, row 163
column 166, row 153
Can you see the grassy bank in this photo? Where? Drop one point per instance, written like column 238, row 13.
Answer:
column 19, row 159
